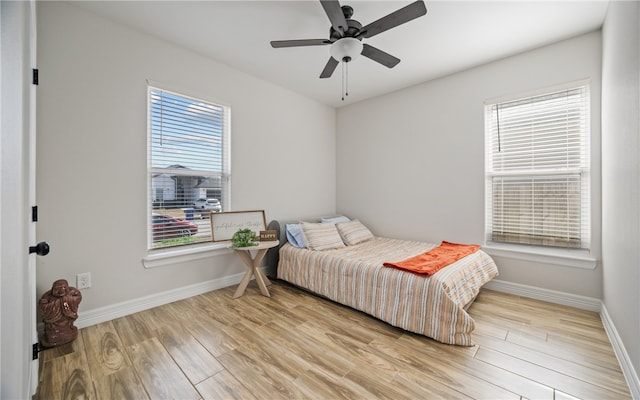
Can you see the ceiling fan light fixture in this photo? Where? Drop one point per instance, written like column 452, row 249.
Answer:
column 346, row 49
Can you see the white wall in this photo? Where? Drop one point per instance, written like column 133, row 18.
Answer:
column 92, row 137
column 410, row 164
column 621, row 172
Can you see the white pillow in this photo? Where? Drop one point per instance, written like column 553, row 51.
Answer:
column 335, row 220
column 321, row 236
column 353, row 232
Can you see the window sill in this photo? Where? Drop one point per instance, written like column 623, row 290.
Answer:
column 570, row 258
column 160, row 258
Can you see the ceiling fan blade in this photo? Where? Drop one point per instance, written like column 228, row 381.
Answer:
column 329, row 68
column 399, row 17
column 380, row 56
column 300, row 42
column 334, row 12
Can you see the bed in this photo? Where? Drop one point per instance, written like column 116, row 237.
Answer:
column 354, row 275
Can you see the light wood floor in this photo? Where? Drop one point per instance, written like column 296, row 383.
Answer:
column 295, row 345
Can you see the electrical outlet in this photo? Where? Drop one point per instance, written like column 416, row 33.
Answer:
column 83, row 281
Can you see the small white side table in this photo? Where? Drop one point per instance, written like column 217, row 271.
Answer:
column 253, row 264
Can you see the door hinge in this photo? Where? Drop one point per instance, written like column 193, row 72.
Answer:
column 36, row 350
column 34, row 214
column 34, row 79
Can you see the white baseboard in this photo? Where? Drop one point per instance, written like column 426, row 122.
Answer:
column 628, row 370
column 552, row 296
column 584, row 303
column 113, row 311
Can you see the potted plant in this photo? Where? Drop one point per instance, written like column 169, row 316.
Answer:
column 244, row 238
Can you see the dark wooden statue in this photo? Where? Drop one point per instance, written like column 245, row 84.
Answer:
column 59, row 308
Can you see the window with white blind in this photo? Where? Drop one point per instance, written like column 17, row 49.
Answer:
column 538, row 170
column 188, row 144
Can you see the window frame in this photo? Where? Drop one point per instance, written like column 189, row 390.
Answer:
column 164, row 255
column 577, row 257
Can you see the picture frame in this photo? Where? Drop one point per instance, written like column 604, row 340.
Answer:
column 225, row 224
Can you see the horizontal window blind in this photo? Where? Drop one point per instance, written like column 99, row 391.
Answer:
column 188, row 161
column 538, row 170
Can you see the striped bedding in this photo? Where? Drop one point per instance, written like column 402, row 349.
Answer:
column 354, row 276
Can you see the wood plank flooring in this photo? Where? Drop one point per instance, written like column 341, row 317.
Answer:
column 298, row 346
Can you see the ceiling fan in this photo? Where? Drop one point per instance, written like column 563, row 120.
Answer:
column 346, row 34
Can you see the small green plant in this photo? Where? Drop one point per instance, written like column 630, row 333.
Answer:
column 244, row 238
column 174, row 242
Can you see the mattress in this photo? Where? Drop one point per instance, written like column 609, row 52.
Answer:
column 433, row 306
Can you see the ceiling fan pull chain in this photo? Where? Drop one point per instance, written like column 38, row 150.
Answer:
column 342, row 88
column 345, row 79
column 346, row 85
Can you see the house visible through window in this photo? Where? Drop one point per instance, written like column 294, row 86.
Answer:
column 188, row 167
column 538, row 170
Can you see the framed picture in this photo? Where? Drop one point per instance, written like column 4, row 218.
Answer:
column 225, row 224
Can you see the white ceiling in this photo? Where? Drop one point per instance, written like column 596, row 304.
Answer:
column 453, row 36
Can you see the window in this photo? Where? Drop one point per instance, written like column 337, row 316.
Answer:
column 538, row 170
column 188, row 161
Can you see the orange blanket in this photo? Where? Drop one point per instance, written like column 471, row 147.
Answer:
column 435, row 259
